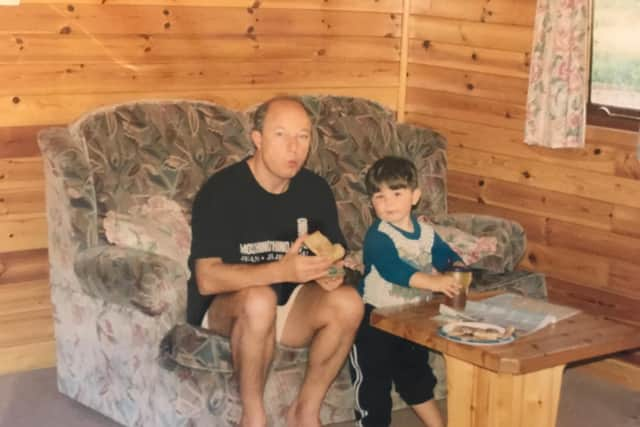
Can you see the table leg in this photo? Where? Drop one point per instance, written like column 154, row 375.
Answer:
column 477, row 397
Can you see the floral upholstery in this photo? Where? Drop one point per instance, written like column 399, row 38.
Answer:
column 120, row 182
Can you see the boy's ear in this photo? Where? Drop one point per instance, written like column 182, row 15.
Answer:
column 415, row 197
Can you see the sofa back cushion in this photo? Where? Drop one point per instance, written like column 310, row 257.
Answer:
column 165, row 149
column 350, row 135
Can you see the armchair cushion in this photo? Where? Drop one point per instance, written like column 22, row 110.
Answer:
column 158, row 226
column 130, row 277
column 510, row 238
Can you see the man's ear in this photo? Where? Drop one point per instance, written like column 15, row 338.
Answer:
column 256, row 137
column 415, row 197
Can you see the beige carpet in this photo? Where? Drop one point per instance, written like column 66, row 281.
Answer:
column 32, row 400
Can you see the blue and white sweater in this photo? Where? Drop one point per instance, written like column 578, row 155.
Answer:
column 392, row 256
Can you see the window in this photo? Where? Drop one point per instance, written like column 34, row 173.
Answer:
column 614, row 92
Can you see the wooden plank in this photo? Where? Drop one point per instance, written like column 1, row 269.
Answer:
column 352, row 5
column 594, row 300
column 143, row 48
column 534, row 225
column 21, row 173
column 463, row 107
column 624, row 276
column 24, row 266
column 591, row 240
column 23, row 232
column 469, row 83
column 18, row 201
column 626, row 220
column 492, row 36
column 19, row 141
column 190, row 76
column 494, row 11
column 18, row 329
column 62, row 109
column 595, row 156
column 628, row 165
column 135, row 19
column 404, row 62
column 545, row 176
column 25, row 297
column 614, row 371
column 567, row 265
column 27, row 357
column 622, row 138
column 492, row 61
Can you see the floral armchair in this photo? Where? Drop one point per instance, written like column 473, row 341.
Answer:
column 120, row 182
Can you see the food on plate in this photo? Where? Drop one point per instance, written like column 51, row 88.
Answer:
column 476, row 332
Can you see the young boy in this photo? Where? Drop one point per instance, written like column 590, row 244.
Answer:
column 402, row 257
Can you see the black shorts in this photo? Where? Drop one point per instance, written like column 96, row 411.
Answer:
column 378, row 360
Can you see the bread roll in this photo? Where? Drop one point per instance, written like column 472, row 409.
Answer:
column 320, row 245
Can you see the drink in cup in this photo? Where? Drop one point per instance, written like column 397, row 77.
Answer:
column 463, row 277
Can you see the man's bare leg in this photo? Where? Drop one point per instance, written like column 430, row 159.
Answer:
column 248, row 318
column 327, row 320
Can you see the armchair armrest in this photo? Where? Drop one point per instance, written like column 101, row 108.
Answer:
column 150, row 282
column 71, row 199
column 511, row 240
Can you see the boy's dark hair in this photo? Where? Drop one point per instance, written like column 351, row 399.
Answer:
column 263, row 109
column 394, row 172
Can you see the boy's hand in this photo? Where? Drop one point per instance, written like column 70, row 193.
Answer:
column 301, row 269
column 444, row 283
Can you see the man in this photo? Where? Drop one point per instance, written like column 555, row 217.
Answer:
column 244, row 222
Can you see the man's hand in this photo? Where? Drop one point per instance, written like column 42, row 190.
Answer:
column 301, row 269
column 331, row 282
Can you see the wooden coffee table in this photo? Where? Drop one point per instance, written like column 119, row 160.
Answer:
column 511, row 385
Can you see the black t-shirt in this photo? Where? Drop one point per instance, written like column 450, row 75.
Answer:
column 235, row 219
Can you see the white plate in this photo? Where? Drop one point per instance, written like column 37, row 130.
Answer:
column 444, row 332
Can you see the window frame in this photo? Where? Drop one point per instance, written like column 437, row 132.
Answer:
column 605, row 115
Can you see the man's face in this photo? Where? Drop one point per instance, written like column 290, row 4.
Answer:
column 283, row 145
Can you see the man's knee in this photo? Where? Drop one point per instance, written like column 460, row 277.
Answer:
column 346, row 306
column 257, row 306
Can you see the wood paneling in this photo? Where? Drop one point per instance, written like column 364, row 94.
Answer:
column 142, row 19
column 62, row 109
column 161, row 48
column 59, row 60
column 476, row 34
column 468, row 76
column 510, row 12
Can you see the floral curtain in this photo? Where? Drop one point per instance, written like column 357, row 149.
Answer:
column 558, row 81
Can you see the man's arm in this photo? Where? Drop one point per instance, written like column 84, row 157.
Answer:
column 213, row 276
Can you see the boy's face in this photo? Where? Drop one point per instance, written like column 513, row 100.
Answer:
column 394, row 206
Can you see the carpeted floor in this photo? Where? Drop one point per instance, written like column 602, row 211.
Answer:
column 32, row 400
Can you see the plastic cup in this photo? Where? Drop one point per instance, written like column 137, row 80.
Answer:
column 462, row 276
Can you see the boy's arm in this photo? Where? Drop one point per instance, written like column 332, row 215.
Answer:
column 382, row 253
column 442, row 256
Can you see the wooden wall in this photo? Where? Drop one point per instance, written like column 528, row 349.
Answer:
column 468, row 77
column 60, row 59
